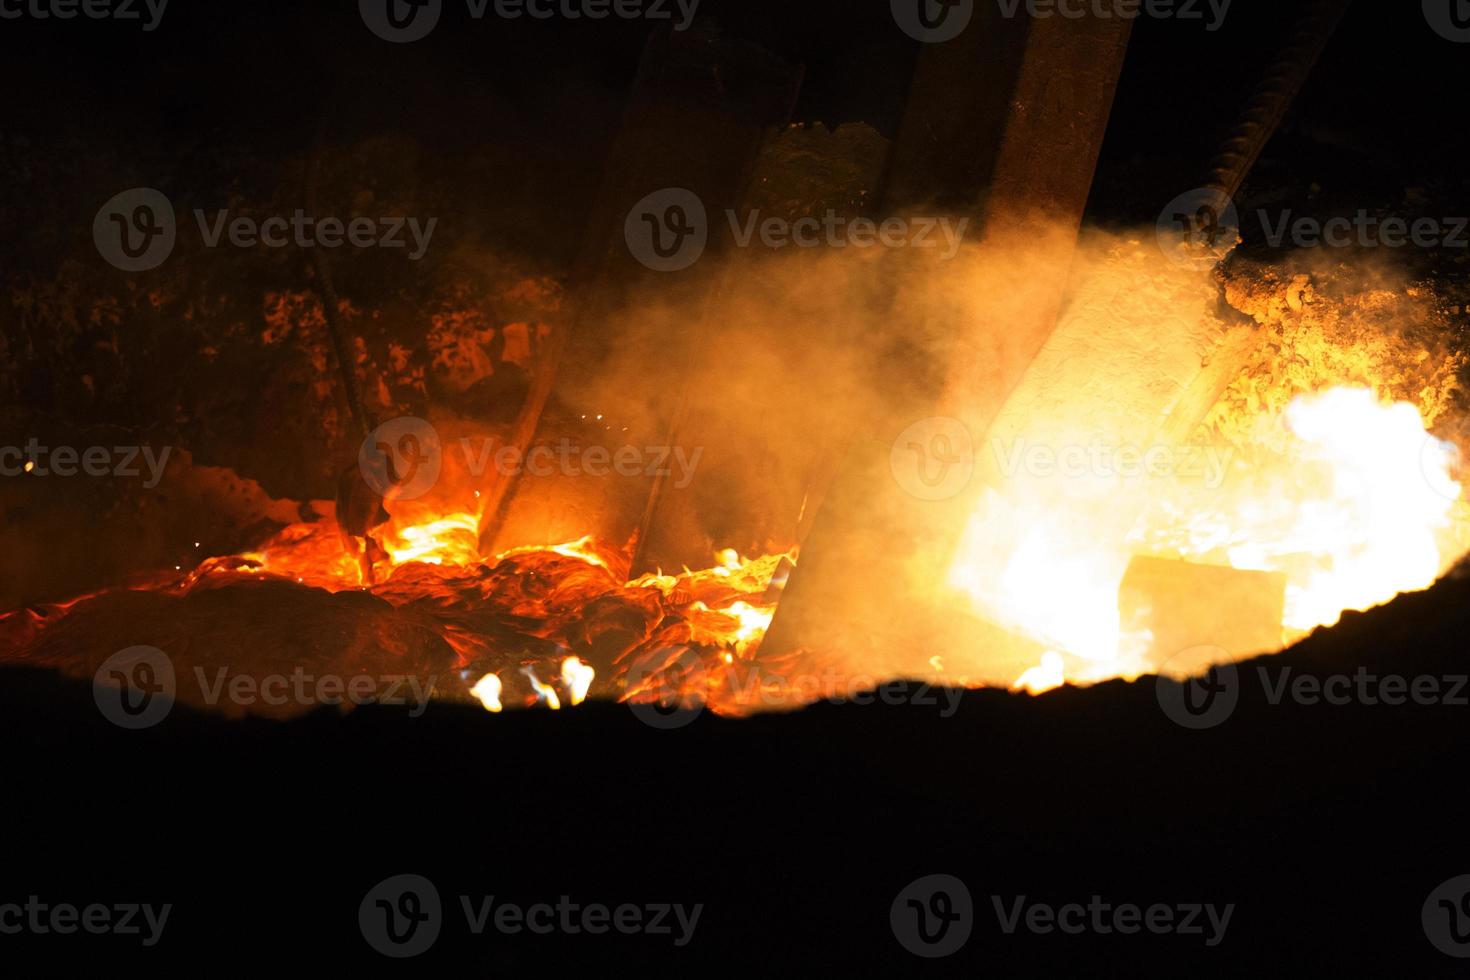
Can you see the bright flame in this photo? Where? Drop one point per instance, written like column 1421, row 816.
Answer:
column 1051, row 674
column 447, row 540
column 1352, row 503
column 545, row 694
column 576, row 677
column 487, row 690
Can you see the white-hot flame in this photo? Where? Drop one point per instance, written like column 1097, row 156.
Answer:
column 487, row 690
column 576, row 677
column 1353, row 505
column 545, row 693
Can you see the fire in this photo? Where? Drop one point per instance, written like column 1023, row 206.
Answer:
column 576, row 677
column 1348, row 497
column 487, row 691
column 545, row 693
column 448, row 540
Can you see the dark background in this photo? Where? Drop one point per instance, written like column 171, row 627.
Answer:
column 1383, row 108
